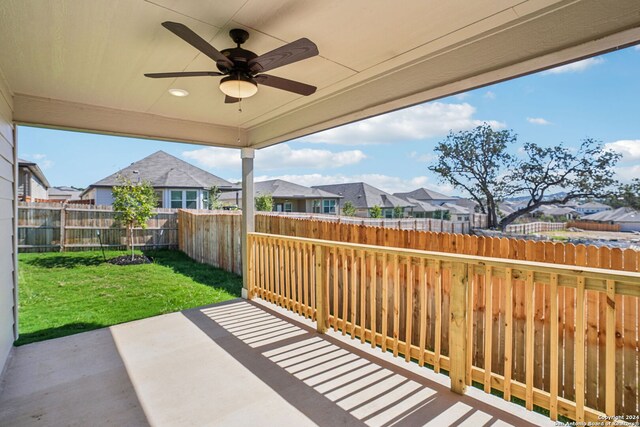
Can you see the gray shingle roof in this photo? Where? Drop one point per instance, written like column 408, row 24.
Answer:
column 163, row 170
column 617, row 215
column 280, row 189
column 592, row 205
column 420, row 206
column 455, row 209
column 364, row 196
column 424, row 194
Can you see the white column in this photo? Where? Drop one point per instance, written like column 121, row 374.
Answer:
column 248, row 208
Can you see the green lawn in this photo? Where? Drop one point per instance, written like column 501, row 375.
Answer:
column 67, row 293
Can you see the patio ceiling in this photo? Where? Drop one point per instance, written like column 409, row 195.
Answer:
column 79, row 64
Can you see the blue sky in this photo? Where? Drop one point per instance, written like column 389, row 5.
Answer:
column 597, row 98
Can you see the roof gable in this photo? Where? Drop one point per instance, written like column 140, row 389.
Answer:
column 163, row 170
column 364, row 196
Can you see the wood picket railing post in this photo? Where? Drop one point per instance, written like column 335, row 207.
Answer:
column 322, row 305
column 457, row 327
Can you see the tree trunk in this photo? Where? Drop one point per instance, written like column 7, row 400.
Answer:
column 131, row 241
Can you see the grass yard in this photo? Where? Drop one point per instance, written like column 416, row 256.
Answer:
column 66, row 293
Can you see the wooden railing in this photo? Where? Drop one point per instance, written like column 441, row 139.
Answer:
column 558, row 337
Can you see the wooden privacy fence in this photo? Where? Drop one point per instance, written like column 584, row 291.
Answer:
column 494, row 247
column 535, row 227
column 557, row 337
column 417, row 224
column 212, row 238
column 52, row 226
column 588, row 225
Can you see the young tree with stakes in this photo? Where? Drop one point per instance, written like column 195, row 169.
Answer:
column 133, row 205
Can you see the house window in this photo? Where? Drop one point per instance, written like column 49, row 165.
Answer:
column 158, row 198
column 388, row 213
column 205, row 199
column 176, row 199
column 184, row 199
column 287, row 207
column 192, row 199
column 329, row 206
column 315, row 206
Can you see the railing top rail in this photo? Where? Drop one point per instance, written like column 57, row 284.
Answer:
column 561, row 269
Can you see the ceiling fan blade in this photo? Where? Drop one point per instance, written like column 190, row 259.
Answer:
column 285, row 84
column 183, row 74
column 186, row 34
column 230, row 100
column 287, row 54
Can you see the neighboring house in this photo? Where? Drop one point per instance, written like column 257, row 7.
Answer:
column 64, row 193
column 429, row 196
column 177, row 184
column 32, row 184
column 457, row 212
column 627, row 218
column 592, row 207
column 290, row 197
column 557, row 213
column 422, row 209
column 364, row 197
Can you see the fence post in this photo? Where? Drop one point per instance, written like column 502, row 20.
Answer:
column 457, row 327
column 63, row 224
column 322, row 305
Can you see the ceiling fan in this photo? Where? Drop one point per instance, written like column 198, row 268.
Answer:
column 243, row 69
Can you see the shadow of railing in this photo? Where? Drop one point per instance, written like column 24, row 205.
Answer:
column 333, row 382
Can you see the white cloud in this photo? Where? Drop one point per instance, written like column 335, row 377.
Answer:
column 490, row 95
column 627, row 173
column 390, row 184
column 629, row 148
column 427, row 157
column 575, row 67
column 629, row 165
column 277, row 157
column 415, row 123
column 538, row 121
column 636, row 47
column 462, row 96
column 41, row 160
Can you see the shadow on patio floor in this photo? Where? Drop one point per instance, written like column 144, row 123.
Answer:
column 333, row 383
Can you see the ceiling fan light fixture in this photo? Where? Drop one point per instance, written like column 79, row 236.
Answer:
column 178, row 92
column 238, row 86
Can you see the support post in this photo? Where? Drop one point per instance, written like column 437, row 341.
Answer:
column 457, row 327
column 322, row 307
column 248, row 208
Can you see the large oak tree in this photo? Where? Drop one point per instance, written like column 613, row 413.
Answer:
column 479, row 162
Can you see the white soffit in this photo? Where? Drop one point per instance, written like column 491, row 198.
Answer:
column 79, row 64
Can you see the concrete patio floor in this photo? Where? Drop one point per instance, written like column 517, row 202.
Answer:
column 238, row 363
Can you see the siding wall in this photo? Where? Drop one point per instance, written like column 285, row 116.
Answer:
column 8, row 273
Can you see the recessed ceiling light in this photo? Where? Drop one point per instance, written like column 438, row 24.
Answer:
column 178, row 92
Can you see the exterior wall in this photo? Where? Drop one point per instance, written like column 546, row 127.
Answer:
column 89, row 195
column 103, row 196
column 629, row 226
column 8, row 201
column 296, row 205
column 38, row 191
